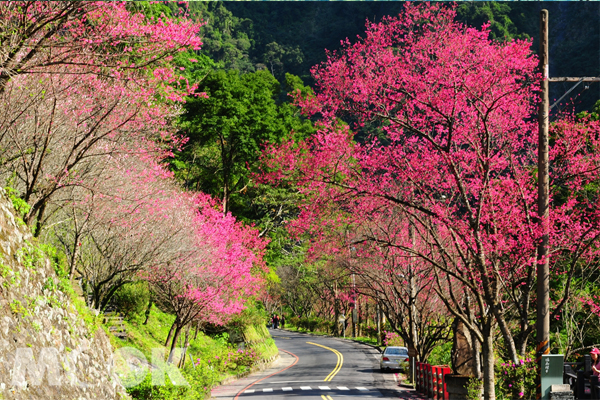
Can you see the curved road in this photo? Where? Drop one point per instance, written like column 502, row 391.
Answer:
column 316, row 367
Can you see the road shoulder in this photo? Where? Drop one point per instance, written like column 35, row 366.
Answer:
column 230, row 390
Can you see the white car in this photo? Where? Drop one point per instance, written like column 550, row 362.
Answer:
column 394, row 357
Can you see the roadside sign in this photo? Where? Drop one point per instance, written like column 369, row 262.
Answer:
column 342, row 318
column 552, row 372
column 412, row 352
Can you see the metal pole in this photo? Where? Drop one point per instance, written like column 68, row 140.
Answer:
column 543, row 316
column 353, row 306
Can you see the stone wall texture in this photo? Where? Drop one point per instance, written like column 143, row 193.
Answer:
column 47, row 351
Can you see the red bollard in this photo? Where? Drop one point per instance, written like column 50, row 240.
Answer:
column 421, row 377
column 446, row 370
column 429, row 380
column 434, row 386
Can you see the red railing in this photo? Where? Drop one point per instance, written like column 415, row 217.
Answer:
column 430, row 380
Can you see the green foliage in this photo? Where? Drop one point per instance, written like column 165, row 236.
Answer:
column 19, row 204
column 474, row 389
column 214, row 357
column 253, row 315
column 196, row 66
column 227, row 38
column 17, row 308
column 226, row 133
column 594, row 114
column 11, row 277
column 440, row 355
column 30, row 256
column 495, row 13
column 132, row 298
column 59, row 263
column 313, row 324
column 200, row 379
column 232, row 360
column 150, row 9
column 369, row 330
column 516, row 380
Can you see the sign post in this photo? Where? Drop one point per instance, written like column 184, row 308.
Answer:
column 552, row 373
column 412, row 354
column 342, row 319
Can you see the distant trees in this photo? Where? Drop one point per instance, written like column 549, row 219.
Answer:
column 227, row 130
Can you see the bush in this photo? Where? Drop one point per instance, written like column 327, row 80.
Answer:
column 294, row 321
column 392, row 339
column 516, row 380
column 441, row 354
column 132, row 298
column 231, row 360
column 201, row 379
column 369, row 330
column 326, row 326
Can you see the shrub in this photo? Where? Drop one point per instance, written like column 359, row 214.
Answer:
column 231, row 360
column 295, row 321
column 516, row 380
column 200, row 379
column 441, row 354
column 392, row 339
column 369, row 330
column 132, row 298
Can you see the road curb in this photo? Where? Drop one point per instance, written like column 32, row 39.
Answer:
column 229, row 388
column 262, row 366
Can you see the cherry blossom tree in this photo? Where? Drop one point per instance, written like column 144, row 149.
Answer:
column 91, row 37
column 456, row 155
column 77, row 81
column 219, row 267
column 121, row 222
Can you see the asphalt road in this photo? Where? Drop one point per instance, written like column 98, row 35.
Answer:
column 322, row 368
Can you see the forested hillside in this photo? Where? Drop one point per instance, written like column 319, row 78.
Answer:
column 292, row 36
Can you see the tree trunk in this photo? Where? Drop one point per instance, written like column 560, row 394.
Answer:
column 197, row 329
column 174, row 343
column 170, row 333
column 378, row 316
column 147, row 313
column 489, row 391
column 185, row 346
column 75, row 248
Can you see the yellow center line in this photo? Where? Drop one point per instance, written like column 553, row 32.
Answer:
column 326, row 397
column 338, row 366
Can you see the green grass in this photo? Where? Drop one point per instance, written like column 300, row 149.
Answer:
column 154, row 333
column 366, row 340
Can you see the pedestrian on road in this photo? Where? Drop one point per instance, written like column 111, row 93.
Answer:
column 282, row 321
column 275, row 321
column 595, row 353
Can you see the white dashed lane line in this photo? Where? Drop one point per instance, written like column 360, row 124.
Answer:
column 289, row 389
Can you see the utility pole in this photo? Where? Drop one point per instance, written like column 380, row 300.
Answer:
column 543, row 280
